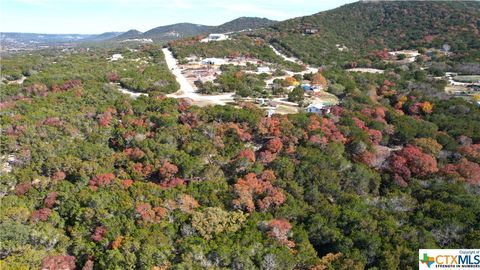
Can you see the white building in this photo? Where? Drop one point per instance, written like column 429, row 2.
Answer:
column 213, row 61
column 263, row 69
column 116, row 57
column 315, row 108
column 215, row 37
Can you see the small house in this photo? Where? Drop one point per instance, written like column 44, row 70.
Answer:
column 263, row 69
column 307, row 87
column 213, row 61
column 315, row 108
column 215, row 37
column 318, row 108
column 116, row 57
column 310, row 31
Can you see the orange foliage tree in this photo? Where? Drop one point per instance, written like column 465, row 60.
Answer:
column 319, row 80
column 253, row 192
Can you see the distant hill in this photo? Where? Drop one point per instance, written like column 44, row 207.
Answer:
column 107, row 35
column 164, row 33
column 34, row 41
column 183, row 30
column 243, row 23
column 176, row 31
column 44, row 38
column 130, row 34
column 372, row 25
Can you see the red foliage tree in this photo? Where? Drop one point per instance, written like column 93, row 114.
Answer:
column 41, row 215
column 272, row 148
column 328, row 131
column 274, row 145
column 271, row 126
column 149, row 214
column 99, row 233
column 15, row 130
column 22, row 188
column 374, row 158
column 377, row 114
column 268, row 175
column 104, row 118
column 247, row 154
column 59, row 175
column 135, row 122
column 167, row 175
column 127, row 183
column 471, row 152
column 59, row 262
column 374, row 135
column 279, row 230
column 336, row 111
column 53, row 122
column 134, row 153
column 71, row 84
column 167, row 170
column 144, row 170
column 50, row 200
column 266, row 157
column 241, row 132
column 411, row 161
column 252, row 191
column 385, row 88
column 465, row 170
column 101, row 180
column 172, row 182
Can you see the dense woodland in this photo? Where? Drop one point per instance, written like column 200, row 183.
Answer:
column 93, row 179
column 364, row 27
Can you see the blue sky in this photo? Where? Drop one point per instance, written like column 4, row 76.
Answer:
column 98, row 16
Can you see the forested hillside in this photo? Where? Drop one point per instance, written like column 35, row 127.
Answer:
column 374, row 25
column 243, row 23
